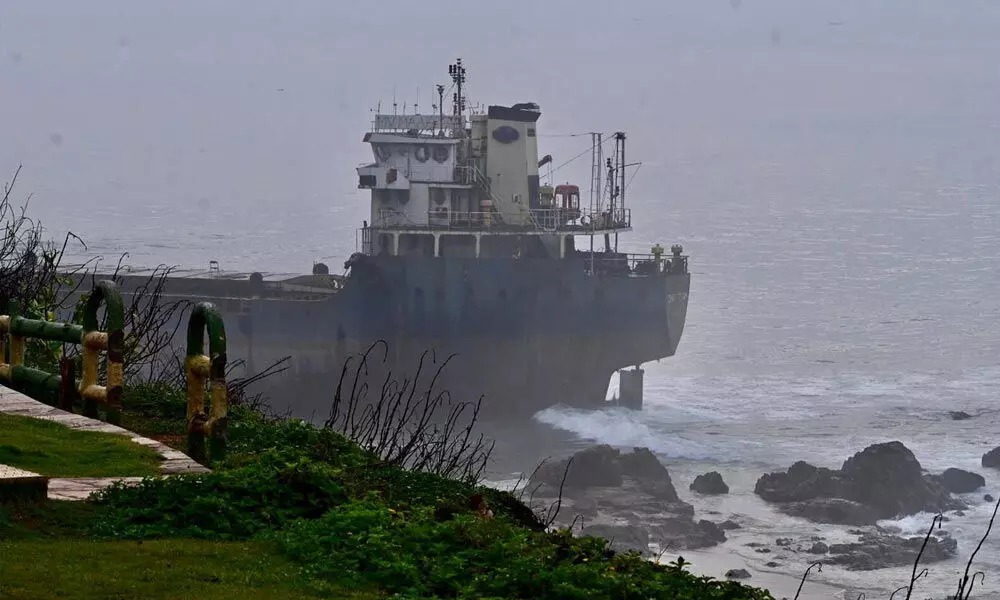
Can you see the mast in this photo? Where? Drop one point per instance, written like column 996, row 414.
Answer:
column 620, row 151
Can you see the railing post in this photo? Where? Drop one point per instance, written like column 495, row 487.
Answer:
column 112, row 340
column 199, row 370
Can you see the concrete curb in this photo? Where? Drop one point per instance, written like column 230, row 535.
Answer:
column 174, row 462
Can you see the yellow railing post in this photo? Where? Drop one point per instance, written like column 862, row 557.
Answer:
column 201, row 369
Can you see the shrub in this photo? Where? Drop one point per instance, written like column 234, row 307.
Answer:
column 416, row 556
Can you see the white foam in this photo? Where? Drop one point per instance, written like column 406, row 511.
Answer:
column 621, row 427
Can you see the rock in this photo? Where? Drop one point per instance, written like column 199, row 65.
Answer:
column 683, row 533
column 783, row 542
column 880, row 551
column 835, row 511
column 642, row 465
column 763, row 550
column 987, row 498
column 737, row 574
column 889, row 478
column 709, row 483
column 622, row 537
column 661, row 490
column 802, row 481
column 958, row 481
column 729, row 525
column 959, row 415
column 991, row 459
column 819, row 548
column 772, row 564
column 593, row 467
column 880, row 482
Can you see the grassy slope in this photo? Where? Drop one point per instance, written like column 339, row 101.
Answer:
column 156, row 569
column 300, row 513
column 55, row 450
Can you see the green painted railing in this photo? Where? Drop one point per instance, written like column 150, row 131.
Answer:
column 201, row 370
column 15, row 330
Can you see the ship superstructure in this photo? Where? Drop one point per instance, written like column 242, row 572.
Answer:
column 467, row 252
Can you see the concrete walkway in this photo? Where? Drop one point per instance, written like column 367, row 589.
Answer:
column 79, row 488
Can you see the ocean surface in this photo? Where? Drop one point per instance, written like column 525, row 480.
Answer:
column 832, row 169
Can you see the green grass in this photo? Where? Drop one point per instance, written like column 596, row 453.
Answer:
column 160, row 569
column 54, row 450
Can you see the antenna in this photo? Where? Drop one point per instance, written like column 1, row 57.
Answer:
column 457, row 72
column 440, row 89
column 595, row 172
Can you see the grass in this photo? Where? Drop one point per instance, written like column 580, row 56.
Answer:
column 157, row 569
column 300, row 512
column 54, row 450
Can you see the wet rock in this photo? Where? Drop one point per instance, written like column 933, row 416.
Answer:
column 959, row 415
column 819, row 548
column 684, row 533
column 729, row 525
column 958, row 481
column 642, row 465
column 709, row 483
column 880, row 482
column 593, row 467
column 763, row 550
column 959, row 513
column 772, row 564
column 880, row 551
column 661, row 490
column 783, row 542
column 987, row 498
column 737, row 574
column 802, row 481
column 992, row 458
column 835, row 511
column 621, row 537
column 608, row 486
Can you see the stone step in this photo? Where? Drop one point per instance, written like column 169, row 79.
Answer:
column 18, row 485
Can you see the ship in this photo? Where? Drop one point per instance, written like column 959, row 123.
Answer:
column 469, row 255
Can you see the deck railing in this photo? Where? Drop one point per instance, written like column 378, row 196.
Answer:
column 632, row 265
column 15, row 330
column 552, row 220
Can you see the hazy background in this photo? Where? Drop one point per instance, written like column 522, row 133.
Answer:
column 832, row 168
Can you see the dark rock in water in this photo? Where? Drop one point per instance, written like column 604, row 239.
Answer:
column 819, row 548
column 763, row 550
column 959, row 415
column 958, row 481
column 622, row 537
column 729, row 525
column 783, row 542
column 992, row 458
column 889, row 478
column 641, row 464
column 592, row 467
column 604, row 466
column 709, row 483
column 836, row 511
column 880, row 551
column 880, row 482
column 802, row 481
column 684, row 533
column 606, row 485
column 987, row 498
column 737, row 574
column 661, row 490
column 772, row 564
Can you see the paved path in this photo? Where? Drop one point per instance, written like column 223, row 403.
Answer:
column 78, row 488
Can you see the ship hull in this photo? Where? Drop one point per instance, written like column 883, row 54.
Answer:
column 522, row 334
